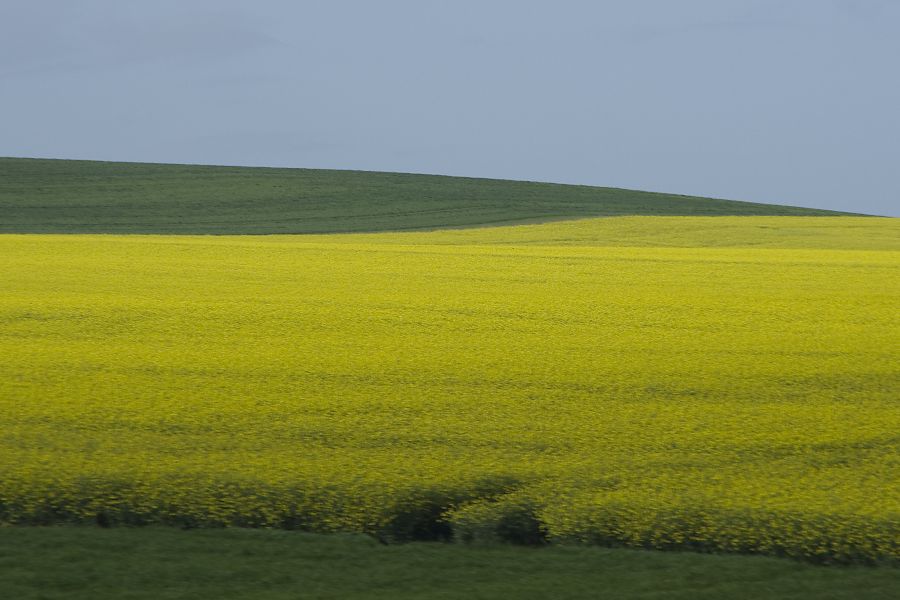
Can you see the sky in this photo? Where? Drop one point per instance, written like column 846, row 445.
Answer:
column 784, row 101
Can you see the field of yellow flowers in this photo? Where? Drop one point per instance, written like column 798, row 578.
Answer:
column 723, row 383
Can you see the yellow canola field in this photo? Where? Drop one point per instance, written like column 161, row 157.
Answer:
column 710, row 383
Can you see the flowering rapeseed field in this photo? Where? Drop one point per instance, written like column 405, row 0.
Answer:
column 719, row 384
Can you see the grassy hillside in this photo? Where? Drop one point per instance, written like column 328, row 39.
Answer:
column 149, row 563
column 67, row 196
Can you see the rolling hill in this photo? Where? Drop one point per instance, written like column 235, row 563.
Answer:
column 698, row 374
column 70, row 196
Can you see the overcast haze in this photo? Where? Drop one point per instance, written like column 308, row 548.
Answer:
column 792, row 102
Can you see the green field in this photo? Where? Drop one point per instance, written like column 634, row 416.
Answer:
column 72, row 563
column 67, row 196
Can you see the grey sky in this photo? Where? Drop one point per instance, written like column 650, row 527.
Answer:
column 787, row 101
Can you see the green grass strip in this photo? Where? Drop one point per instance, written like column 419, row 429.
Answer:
column 75, row 563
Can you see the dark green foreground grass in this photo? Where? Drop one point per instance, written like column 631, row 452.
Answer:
column 91, row 563
column 67, row 196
